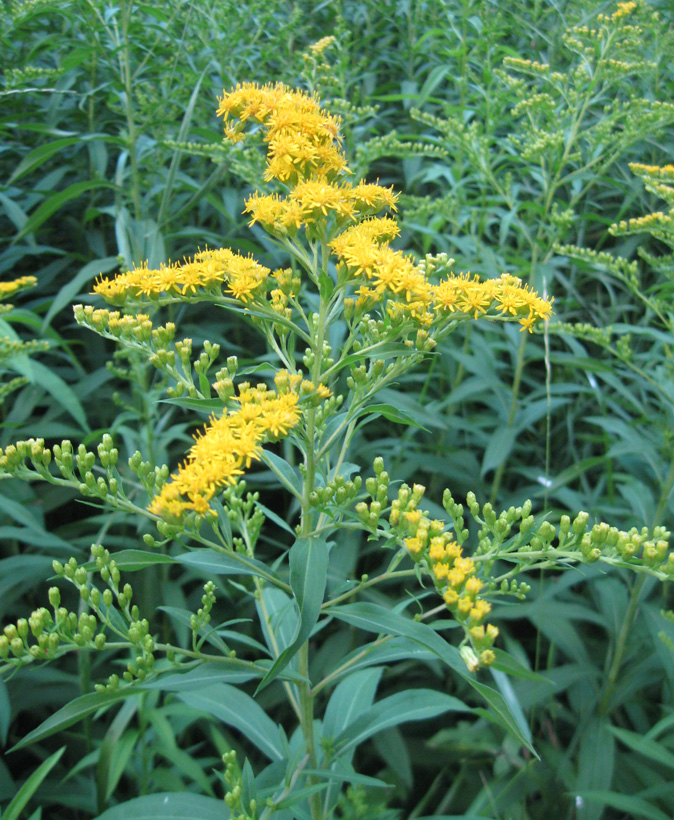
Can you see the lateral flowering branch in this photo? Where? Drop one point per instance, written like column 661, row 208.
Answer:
column 231, row 442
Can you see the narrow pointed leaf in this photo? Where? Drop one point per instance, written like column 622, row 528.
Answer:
column 308, row 575
column 168, row 806
column 28, row 789
column 235, row 708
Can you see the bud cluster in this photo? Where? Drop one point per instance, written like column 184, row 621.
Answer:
column 156, row 344
column 243, row 512
column 337, row 493
column 235, row 796
column 203, row 614
column 75, row 466
column 46, row 635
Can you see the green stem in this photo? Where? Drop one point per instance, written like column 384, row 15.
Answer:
column 519, row 369
column 621, row 645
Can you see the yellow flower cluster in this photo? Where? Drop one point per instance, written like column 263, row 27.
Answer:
column 453, row 573
column 320, row 46
column 364, row 251
column 229, row 444
column 659, row 180
column 313, row 200
column 360, row 241
column 302, row 139
column 623, row 10
column 211, row 270
column 10, row 288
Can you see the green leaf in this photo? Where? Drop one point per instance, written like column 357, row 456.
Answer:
column 40, row 155
column 54, row 385
column 596, row 760
column 498, row 449
column 5, row 712
column 308, row 574
column 221, row 563
column 28, row 789
column 374, row 618
column 68, row 292
column 633, row 806
column 352, row 696
column 287, row 475
column 347, row 777
column 403, row 707
column 204, row 675
column 235, row 708
column 72, row 713
column 506, row 663
column 115, row 751
column 206, row 406
column 388, row 411
column 168, row 806
column 395, row 649
column 271, row 515
column 53, row 203
column 644, row 746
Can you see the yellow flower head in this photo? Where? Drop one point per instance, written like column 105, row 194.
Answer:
column 303, row 140
column 228, row 445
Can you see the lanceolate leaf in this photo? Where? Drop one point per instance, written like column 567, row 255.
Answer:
column 169, row 806
column 403, row 707
column 374, row 618
column 308, row 574
column 13, row 811
column 220, row 563
column 235, row 708
column 72, row 713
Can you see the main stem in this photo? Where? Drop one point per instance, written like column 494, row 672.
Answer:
column 306, row 531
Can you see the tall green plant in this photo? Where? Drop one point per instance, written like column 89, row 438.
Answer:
column 357, row 315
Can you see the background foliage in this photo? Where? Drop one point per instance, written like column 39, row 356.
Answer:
column 110, row 153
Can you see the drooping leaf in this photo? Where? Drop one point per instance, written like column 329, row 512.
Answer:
column 73, row 712
column 235, row 708
column 221, row 563
column 374, row 618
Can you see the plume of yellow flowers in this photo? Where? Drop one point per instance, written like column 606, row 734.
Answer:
column 208, row 273
column 229, row 444
column 10, row 288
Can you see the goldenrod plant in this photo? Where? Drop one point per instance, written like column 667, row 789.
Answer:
column 347, row 316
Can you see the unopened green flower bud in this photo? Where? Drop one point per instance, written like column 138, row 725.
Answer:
column 363, row 512
column 17, row 647
column 580, row 523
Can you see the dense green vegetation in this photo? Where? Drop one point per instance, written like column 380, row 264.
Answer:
column 525, row 138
